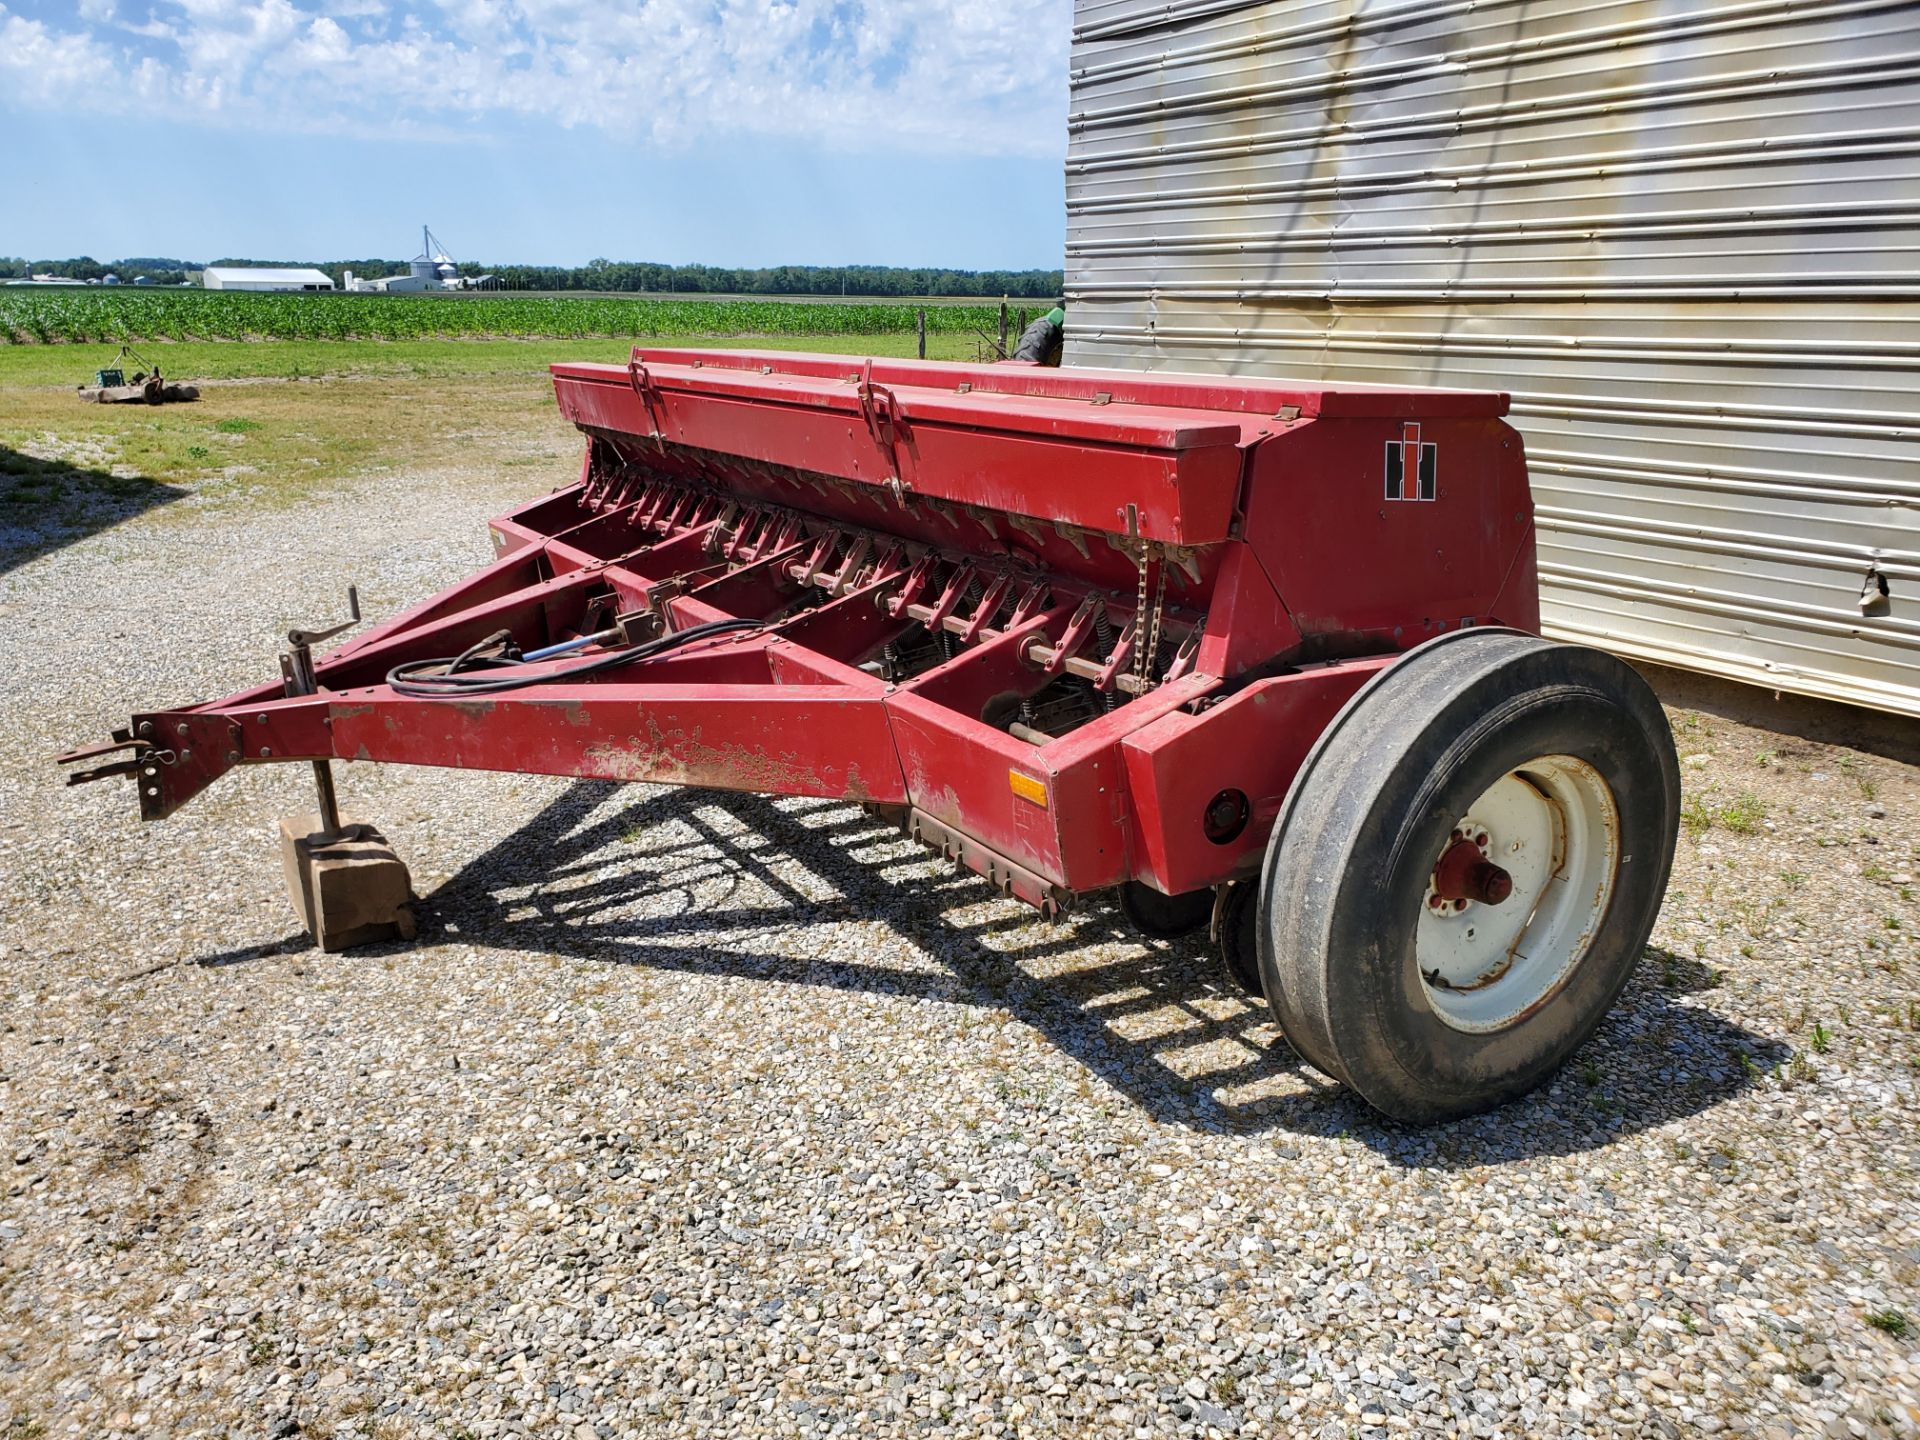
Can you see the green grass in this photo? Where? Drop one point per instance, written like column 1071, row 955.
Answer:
column 70, row 366
column 1696, row 817
column 1743, row 816
column 62, row 315
column 313, row 412
column 1890, row 1321
column 27, row 482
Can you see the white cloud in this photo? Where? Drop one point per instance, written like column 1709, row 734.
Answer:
column 325, row 43
column 937, row 75
column 40, row 66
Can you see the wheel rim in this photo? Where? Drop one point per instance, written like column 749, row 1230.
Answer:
column 1517, row 893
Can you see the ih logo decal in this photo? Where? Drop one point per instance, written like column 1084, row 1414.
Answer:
column 1412, row 467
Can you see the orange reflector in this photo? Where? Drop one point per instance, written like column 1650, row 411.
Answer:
column 1028, row 788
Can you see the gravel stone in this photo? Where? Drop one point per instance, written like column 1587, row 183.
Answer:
column 700, row 1114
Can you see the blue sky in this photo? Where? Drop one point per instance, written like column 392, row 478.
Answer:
column 744, row 132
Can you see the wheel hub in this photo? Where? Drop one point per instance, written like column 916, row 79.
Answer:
column 1465, row 874
column 1517, row 893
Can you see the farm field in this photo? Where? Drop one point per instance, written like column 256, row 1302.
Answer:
column 1032, row 304
column 64, row 314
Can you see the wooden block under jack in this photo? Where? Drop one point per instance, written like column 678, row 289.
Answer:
column 350, row 888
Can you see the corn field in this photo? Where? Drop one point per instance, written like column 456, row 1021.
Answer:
column 52, row 316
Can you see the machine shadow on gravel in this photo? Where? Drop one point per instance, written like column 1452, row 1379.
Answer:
column 45, row 504
column 1162, row 1023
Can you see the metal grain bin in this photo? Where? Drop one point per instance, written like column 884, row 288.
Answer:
column 1683, row 235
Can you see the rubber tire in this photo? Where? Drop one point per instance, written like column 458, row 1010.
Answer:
column 1164, row 917
column 1347, row 867
column 1239, row 938
column 1040, row 342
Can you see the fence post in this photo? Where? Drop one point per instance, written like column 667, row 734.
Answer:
column 923, row 334
column 1003, row 327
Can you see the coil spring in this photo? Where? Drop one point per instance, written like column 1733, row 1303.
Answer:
column 1103, row 643
column 975, row 594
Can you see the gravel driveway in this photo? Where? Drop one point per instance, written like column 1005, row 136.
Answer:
column 708, row 1114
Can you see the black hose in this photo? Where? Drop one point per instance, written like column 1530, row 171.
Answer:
column 502, row 638
column 438, row 679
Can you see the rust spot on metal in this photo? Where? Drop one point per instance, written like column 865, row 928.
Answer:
column 680, row 757
column 573, row 712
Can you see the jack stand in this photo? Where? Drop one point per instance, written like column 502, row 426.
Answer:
column 347, row 885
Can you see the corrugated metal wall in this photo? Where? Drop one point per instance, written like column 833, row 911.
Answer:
column 1686, row 237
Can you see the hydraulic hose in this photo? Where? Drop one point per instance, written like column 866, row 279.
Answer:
column 439, row 679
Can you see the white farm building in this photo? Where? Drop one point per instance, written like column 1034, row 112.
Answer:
column 249, row 277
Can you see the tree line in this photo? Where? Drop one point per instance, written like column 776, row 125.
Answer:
column 636, row 276
column 160, row 270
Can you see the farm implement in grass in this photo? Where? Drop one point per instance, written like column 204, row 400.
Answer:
column 1246, row 655
column 113, row 385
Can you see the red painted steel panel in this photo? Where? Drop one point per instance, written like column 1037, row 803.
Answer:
column 1247, row 623
column 1518, row 603
column 1183, row 494
column 1350, row 563
column 777, row 739
column 962, row 772
column 1252, row 742
column 1149, row 426
column 1171, row 388
column 1086, row 774
column 958, row 771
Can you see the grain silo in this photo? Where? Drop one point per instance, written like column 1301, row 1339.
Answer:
column 433, row 264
